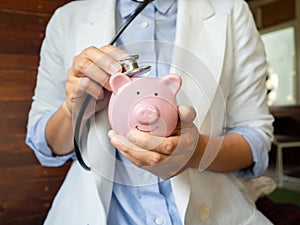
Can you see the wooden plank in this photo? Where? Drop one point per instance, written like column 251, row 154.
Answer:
column 28, row 220
column 16, row 93
column 254, row 4
column 13, row 118
column 17, row 85
column 289, row 110
column 36, row 6
column 17, row 77
column 15, row 144
column 36, row 219
column 19, row 20
column 19, row 61
column 31, row 174
column 13, row 138
column 12, row 132
column 27, row 192
column 14, row 110
column 269, row 18
column 18, row 211
column 30, row 182
column 14, row 41
column 18, row 158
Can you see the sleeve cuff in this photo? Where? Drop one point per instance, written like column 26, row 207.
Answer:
column 36, row 140
column 259, row 152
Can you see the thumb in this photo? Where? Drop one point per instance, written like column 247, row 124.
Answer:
column 186, row 113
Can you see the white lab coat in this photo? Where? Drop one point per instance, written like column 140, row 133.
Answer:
column 221, row 35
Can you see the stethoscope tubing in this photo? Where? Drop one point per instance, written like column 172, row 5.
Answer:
column 77, row 139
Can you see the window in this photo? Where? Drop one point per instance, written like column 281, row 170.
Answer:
column 281, row 81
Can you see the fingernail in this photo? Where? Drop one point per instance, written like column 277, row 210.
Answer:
column 110, row 133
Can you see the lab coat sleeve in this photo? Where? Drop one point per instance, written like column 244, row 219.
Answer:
column 49, row 92
column 247, row 105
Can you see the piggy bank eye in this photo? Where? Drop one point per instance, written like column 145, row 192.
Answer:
column 137, row 93
column 155, row 94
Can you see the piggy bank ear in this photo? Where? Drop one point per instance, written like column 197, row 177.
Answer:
column 117, row 81
column 173, row 81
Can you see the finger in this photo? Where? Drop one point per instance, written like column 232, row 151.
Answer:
column 83, row 66
column 187, row 114
column 77, row 87
column 106, row 57
column 148, row 158
column 132, row 159
column 99, row 64
column 91, row 87
column 154, row 143
column 109, row 62
column 102, row 103
column 121, row 142
column 142, row 155
column 114, row 52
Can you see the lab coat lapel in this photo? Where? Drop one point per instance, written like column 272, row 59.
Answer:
column 200, row 42
column 181, row 189
column 97, row 31
column 101, row 156
column 200, row 50
column 99, row 27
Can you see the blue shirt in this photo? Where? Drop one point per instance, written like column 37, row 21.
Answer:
column 150, row 199
column 139, row 197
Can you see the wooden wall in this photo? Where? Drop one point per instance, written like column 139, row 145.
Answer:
column 26, row 188
column 268, row 13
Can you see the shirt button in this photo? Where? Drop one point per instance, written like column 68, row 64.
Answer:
column 147, row 176
column 144, row 24
column 204, row 212
column 159, row 220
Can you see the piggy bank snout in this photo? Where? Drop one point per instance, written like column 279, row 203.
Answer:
column 146, row 113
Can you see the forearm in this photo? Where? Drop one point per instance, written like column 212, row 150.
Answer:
column 234, row 153
column 59, row 132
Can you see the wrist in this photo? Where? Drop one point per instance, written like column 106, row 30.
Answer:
column 66, row 109
column 198, row 151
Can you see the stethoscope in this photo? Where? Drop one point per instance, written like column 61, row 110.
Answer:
column 128, row 62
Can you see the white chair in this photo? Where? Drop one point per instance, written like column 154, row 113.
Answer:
column 282, row 142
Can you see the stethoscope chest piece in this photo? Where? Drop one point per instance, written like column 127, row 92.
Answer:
column 130, row 66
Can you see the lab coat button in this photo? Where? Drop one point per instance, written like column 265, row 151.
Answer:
column 204, row 212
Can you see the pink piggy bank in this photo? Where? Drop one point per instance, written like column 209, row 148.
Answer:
column 144, row 103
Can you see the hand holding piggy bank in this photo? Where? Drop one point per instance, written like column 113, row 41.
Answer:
column 145, row 104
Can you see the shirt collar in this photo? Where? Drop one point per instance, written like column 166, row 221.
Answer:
column 163, row 6
column 127, row 7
